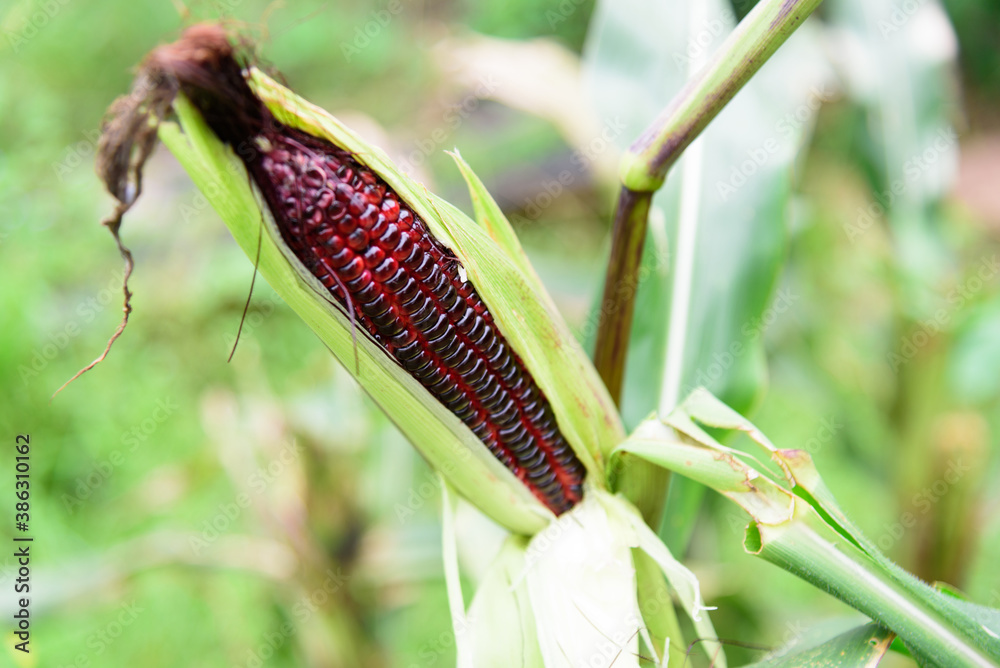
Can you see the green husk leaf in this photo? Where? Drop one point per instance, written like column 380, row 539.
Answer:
column 491, row 217
column 664, row 635
column 452, row 578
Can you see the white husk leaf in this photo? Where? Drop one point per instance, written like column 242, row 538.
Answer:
column 581, row 580
column 501, row 624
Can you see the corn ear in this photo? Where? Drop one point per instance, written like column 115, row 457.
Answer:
column 356, row 246
column 497, row 266
column 442, row 438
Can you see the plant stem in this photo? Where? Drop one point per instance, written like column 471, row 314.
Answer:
column 750, row 45
column 846, row 572
column 644, row 166
column 618, row 302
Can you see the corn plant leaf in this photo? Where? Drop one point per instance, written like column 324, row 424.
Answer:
column 442, row 439
column 522, row 310
column 861, row 647
column 797, row 525
column 803, row 479
column 716, row 467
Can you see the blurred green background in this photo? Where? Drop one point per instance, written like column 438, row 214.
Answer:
column 189, row 511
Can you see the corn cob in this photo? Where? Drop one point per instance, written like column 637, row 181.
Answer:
column 379, row 261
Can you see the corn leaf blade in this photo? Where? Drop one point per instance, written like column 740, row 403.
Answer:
column 861, row 647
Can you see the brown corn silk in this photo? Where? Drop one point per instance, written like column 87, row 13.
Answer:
column 378, row 260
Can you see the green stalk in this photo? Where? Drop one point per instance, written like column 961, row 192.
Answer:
column 849, row 574
column 643, row 171
column 644, row 166
column 618, row 303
